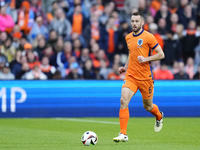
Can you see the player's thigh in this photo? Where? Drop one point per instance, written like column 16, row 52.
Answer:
column 129, row 88
column 126, row 94
column 147, row 90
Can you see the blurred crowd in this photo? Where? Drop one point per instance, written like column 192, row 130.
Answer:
column 85, row 39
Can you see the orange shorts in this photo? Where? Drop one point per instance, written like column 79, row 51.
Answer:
column 146, row 87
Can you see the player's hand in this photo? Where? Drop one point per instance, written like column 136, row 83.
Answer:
column 141, row 59
column 122, row 69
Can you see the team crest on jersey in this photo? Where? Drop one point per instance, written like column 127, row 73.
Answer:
column 124, row 82
column 140, row 42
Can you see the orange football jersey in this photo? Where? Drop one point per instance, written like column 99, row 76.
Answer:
column 140, row 45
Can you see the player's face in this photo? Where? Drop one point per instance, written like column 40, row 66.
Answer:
column 136, row 23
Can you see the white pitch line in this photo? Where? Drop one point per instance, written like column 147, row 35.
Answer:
column 84, row 120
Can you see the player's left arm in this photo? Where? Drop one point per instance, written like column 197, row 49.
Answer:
column 159, row 55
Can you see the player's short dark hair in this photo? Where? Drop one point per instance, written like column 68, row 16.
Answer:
column 138, row 14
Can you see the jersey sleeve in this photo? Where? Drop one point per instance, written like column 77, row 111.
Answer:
column 153, row 43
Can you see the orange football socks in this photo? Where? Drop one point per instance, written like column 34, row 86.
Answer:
column 155, row 111
column 123, row 119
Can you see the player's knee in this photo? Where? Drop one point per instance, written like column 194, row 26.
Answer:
column 148, row 107
column 124, row 102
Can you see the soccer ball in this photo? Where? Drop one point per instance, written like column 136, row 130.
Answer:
column 89, row 138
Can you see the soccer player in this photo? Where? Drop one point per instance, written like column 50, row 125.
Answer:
column 139, row 74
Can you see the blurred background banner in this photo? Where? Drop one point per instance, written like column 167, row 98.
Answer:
column 93, row 99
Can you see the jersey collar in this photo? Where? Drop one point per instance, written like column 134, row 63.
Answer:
column 139, row 33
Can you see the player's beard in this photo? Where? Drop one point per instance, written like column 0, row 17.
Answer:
column 137, row 29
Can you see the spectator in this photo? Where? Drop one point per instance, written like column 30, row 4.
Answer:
column 6, row 74
column 36, row 6
column 16, row 40
column 100, row 55
column 117, row 59
column 189, row 67
column 46, row 5
column 153, row 29
column 92, row 30
column 78, row 20
column 3, row 60
column 129, row 4
column 24, row 68
column 64, row 55
column 16, row 28
column 115, row 75
column 174, row 22
column 197, row 54
column 156, row 4
column 175, row 67
column 48, row 52
column 162, row 28
column 179, row 31
column 27, row 49
column 3, row 37
column 6, row 20
column 163, row 73
column 117, row 18
column 194, row 4
column 22, row 42
column 190, row 40
column 58, row 47
column 197, row 75
column 84, row 56
column 32, row 61
column 38, row 28
column 17, row 67
column 16, row 60
column 149, row 19
column 52, row 11
column 173, row 6
column 26, row 17
column 109, row 39
column 75, row 36
column 53, row 36
column 61, row 25
column 122, row 47
column 74, row 73
column 84, row 10
column 11, row 9
column 47, row 69
column 172, row 49
column 163, row 13
column 104, row 70
column 34, row 74
column 57, row 75
column 143, row 8
column 155, row 66
column 181, row 75
column 96, row 8
column 77, row 47
column 186, row 16
column 8, row 50
column 41, row 46
column 88, row 72
column 105, row 16
column 183, row 4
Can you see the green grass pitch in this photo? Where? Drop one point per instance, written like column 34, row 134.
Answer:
column 65, row 134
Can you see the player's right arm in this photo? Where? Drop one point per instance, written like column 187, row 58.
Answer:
column 123, row 69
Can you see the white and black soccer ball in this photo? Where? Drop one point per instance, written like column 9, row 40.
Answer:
column 89, row 138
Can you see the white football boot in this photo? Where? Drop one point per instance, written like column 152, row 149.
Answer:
column 159, row 123
column 121, row 138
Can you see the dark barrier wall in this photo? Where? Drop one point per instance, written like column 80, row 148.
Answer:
column 93, row 99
